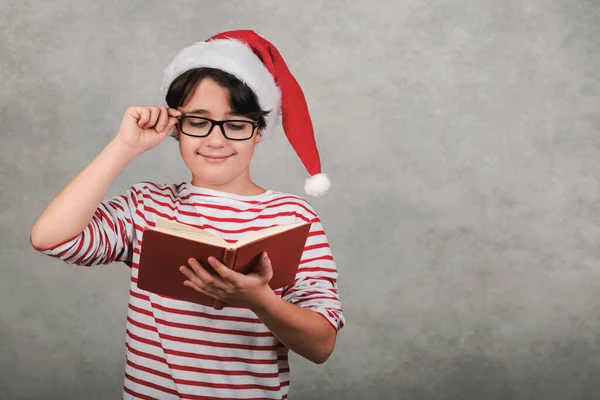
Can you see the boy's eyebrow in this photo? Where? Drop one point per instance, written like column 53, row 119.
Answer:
column 204, row 112
column 198, row 111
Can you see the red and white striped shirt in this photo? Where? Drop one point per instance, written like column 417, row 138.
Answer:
column 182, row 350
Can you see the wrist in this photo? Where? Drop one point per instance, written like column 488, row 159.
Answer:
column 123, row 150
column 264, row 300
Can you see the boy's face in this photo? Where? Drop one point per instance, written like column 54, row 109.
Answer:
column 214, row 160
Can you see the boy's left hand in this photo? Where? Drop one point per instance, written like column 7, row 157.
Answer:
column 251, row 290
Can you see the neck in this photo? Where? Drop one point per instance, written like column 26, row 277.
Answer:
column 241, row 185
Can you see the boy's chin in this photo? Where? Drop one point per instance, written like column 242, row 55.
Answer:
column 213, row 179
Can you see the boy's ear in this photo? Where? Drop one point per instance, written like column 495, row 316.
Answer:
column 258, row 137
column 175, row 133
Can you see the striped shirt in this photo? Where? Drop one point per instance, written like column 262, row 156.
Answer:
column 182, row 350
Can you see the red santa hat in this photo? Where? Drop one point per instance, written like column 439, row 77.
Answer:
column 257, row 63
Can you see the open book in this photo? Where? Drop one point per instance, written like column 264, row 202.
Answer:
column 168, row 245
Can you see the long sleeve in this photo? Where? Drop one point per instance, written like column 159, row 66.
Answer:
column 315, row 286
column 107, row 238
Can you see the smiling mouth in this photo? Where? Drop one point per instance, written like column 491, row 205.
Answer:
column 213, row 158
column 210, row 156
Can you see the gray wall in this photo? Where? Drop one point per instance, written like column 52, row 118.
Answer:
column 469, row 269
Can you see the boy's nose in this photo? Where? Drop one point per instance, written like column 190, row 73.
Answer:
column 216, row 137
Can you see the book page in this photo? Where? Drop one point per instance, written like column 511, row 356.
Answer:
column 188, row 232
column 272, row 231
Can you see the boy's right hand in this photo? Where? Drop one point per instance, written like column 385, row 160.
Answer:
column 143, row 128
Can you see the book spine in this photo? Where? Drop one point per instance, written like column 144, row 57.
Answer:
column 228, row 260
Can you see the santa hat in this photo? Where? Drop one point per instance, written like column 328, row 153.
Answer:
column 258, row 64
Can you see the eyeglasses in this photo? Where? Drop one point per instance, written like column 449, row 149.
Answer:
column 202, row 127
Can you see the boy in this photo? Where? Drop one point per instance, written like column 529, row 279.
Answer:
column 223, row 96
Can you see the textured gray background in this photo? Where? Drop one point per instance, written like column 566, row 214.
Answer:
column 469, row 268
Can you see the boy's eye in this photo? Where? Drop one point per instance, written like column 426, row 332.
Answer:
column 200, row 124
column 236, row 127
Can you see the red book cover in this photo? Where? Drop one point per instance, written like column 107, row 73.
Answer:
column 166, row 248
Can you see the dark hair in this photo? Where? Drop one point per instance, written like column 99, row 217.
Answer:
column 242, row 99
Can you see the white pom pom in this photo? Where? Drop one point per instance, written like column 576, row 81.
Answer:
column 317, row 185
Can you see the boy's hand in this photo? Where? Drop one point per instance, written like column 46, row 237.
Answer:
column 251, row 290
column 143, row 128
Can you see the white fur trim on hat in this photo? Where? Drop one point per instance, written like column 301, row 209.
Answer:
column 236, row 58
column 317, row 185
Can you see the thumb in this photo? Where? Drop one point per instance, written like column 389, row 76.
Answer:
column 170, row 124
column 266, row 269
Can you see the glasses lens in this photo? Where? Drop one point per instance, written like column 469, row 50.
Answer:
column 195, row 126
column 234, row 130
column 238, row 130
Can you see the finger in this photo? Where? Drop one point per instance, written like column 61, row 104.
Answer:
column 154, row 112
column 163, row 118
column 144, row 114
column 202, row 288
column 199, row 283
column 219, row 305
column 197, row 288
column 173, row 112
column 205, row 276
column 191, row 275
column 227, row 274
column 147, row 118
column 168, row 129
column 172, row 122
column 266, row 269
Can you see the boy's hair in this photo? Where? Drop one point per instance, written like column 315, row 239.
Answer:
column 242, row 99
